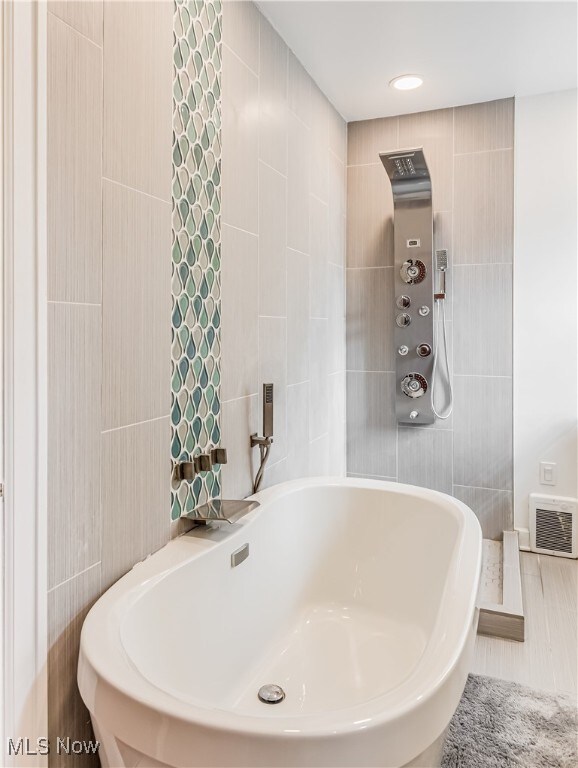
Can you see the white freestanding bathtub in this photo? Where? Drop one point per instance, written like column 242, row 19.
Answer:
column 358, row 598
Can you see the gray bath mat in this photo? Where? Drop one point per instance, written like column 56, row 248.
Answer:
column 504, row 725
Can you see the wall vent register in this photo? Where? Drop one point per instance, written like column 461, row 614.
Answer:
column 553, row 525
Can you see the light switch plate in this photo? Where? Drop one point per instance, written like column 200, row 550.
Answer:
column 547, row 473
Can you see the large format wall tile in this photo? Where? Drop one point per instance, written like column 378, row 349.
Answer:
column 337, row 133
column 441, row 390
column 299, row 87
column 370, row 316
column 74, row 418
column 493, row 508
column 318, row 378
column 319, row 158
column 337, row 423
column 369, row 217
column 480, row 127
column 483, row 432
column 74, row 103
column 298, row 461
column 434, row 131
column 273, row 64
column 336, row 317
column 109, row 115
column 275, row 474
column 272, row 98
column 241, row 31
column 297, row 317
column 483, row 319
column 135, row 495
column 272, row 240
column 483, row 213
column 366, row 139
column 84, row 17
column 336, row 210
column 318, row 294
column 425, row 458
column 442, row 231
column 240, row 169
column 299, row 154
column 239, row 420
column 240, row 328
column 371, row 425
column 443, row 238
column 319, row 456
column 300, row 228
column 138, row 87
column 136, row 306
column 273, row 368
column 337, row 225
column 68, row 605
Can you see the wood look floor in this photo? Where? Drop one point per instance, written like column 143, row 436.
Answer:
column 548, row 659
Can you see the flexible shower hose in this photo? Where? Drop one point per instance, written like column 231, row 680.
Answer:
column 448, row 411
column 264, row 450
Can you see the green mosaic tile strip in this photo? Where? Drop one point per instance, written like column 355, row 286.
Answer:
column 196, row 244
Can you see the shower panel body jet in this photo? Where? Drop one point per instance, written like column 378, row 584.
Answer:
column 413, row 280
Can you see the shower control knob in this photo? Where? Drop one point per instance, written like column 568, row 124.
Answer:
column 203, row 462
column 413, row 271
column 413, row 385
column 403, row 320
column 403, row 302
column 219, row 455
column 423, row 350
column 424, row 311
column 403, row 350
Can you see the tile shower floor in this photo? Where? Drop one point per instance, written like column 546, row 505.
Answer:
column 492, row 573
column 548, row 659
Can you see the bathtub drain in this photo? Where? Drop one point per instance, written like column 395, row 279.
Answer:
column 271, row 694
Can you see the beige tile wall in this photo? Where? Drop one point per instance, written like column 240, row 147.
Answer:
column 283, row 256
column 283, row 275
column 109, row 235
column 470, row 154
column 74, row 162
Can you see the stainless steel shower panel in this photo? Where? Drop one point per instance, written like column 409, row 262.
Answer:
column 413, row 280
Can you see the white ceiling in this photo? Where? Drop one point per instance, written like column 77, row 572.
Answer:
column 466, row 51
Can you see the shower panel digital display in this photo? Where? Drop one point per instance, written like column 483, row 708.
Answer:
column 414, row 285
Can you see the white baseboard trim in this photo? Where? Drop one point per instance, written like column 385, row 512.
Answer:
column 523, row 538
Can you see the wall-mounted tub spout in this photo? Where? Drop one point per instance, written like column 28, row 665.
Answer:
column 221, row 511
column 265, row 440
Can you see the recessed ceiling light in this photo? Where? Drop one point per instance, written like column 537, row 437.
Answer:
column 406, row 82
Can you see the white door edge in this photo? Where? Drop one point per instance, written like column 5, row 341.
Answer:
column 24, row 530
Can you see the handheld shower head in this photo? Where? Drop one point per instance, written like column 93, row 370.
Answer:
column 441, row 263
column 442, row 260
column 441, row 267
column 267, row 410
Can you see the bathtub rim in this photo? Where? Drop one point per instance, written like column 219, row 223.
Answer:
column 103, row 659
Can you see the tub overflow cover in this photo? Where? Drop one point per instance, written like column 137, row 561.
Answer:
column 271, row 694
